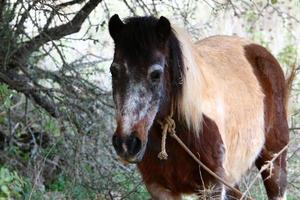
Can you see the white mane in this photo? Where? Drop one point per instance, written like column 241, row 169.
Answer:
column 189, row 105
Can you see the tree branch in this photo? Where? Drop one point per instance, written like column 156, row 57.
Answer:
column 24, row 16
column 129, row 7
column 56, row 33
column 69, row 3
column 21, row 84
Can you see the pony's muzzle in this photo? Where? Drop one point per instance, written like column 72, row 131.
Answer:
column 129, row 148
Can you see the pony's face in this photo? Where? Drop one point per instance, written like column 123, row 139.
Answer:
column 138, row 82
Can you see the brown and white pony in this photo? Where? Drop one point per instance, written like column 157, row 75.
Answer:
column 229, row 99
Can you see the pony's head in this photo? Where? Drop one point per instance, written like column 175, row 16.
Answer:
column 142, row 79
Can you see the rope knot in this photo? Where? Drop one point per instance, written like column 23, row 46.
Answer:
column 168, row 126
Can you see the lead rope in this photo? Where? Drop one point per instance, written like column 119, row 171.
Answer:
column 168, row 126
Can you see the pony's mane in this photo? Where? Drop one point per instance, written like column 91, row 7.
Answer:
column 189, row 99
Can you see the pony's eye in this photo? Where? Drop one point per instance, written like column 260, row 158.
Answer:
column 155, row 75
column 114, row 70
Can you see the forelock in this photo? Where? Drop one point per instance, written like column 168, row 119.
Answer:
column 138, row 38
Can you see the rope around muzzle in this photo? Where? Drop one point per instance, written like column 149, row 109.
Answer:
column 168, row 126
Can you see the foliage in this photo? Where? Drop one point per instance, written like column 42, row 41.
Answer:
column 74, row 191
column 11, row 184
column 5, row 97
column 288, row 55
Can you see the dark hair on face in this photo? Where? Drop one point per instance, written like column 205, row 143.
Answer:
column 139, row 37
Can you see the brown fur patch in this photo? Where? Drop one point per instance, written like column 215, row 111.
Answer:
column 140, row 129
column 272, row 81
column 180, row 173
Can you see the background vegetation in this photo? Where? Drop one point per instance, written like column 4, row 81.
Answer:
column 56, row 113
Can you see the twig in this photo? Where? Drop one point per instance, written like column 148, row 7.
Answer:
column 40, row 170
column 269, row 164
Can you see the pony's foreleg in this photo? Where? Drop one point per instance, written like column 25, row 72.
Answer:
column 158, row 192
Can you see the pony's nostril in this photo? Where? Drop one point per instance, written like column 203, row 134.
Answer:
column 134, row 144
column 127, row 146
column 117, row 143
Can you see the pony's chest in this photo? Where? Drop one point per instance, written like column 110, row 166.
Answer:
column 178, row 174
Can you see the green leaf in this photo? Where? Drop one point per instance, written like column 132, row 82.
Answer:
column 5, row 190
column 2, row 119
column 273, row 1
column 4, row 91
column 51, row 126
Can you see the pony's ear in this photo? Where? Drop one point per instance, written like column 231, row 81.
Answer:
column 163, row 28
column 115, row 25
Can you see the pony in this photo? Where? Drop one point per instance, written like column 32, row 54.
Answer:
column 229, row 98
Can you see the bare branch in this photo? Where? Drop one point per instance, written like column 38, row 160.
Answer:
column 69, row 3
column 24, row 16
column 55, row 33
column 129, row 7
column 20, row 83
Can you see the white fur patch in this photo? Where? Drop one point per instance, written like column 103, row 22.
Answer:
column 190, row 104
column 223, row 193
column 131, row 113
column 126, row 67
column 155, row 67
